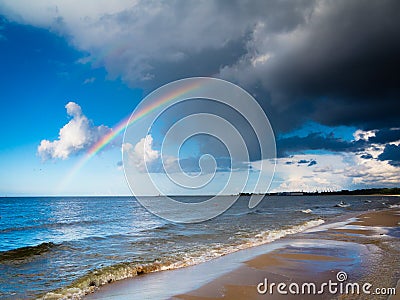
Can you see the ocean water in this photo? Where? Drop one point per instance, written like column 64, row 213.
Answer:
column 68, row 245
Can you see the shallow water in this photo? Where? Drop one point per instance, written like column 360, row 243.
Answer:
column 58, row 242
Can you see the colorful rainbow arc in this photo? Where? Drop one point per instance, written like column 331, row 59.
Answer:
column 124, row 123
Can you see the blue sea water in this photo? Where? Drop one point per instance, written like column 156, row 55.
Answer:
column 59, row 244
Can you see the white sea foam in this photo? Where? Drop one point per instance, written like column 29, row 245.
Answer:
column 330, row 226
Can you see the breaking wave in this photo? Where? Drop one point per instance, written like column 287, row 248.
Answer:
column 25, row 253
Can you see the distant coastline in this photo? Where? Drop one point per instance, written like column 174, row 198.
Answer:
column 359, row 192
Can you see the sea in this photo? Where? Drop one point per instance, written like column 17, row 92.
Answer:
column 68, row 246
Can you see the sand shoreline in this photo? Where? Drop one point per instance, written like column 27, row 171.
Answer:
column 365, row 248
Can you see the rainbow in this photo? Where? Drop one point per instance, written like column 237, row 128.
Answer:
column 124, row 123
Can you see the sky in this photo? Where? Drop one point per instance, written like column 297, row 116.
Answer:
column 325, row 73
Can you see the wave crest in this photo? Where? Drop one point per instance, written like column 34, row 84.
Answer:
column 24, row 253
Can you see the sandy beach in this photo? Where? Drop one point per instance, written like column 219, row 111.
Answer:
column 362, row 250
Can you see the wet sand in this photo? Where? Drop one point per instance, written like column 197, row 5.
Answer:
column 297, row 263
column 366, row 248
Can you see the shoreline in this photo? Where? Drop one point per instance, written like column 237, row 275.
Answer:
column 363, row 249
column 363, row 246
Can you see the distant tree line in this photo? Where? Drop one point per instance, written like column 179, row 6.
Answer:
column 379, row 191
column 373, row 191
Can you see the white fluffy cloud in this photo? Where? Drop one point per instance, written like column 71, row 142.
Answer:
column 305, row 172
column 77, row 135
column 363, row 134
column 372, row 172
column 331, row 172
column 300, row 172
column 142, row 154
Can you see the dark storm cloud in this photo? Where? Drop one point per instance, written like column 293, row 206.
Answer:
column 317, row 141
column 322, row 141
column 339, row 67
column 366, row 156
column 309, row 163
column 312, row 163
column 303, row 161
column 205, row 63
column 391, row 153
column 177, row 39
column 386, row 136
